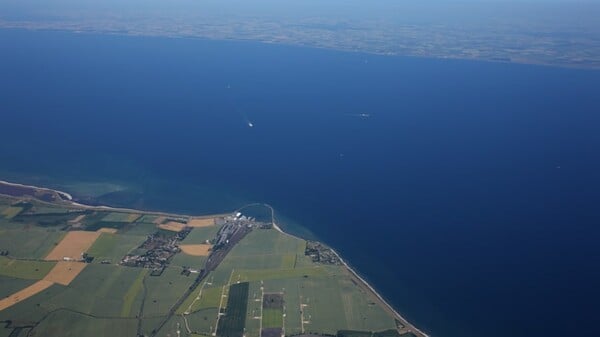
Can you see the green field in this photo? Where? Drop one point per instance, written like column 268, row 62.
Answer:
column 261, row 261
column 181, row 259
column 233, row 322
column 320, row 295
column 254, row 309
column 99, row 290
column 92, row 218
column 51, row 210
column 268, row 242
column 267, row 274
column 383, row 333
column 266, row 255
column 361, row 313
column 201, row 234
column 163, row 291
column 265, row 281
column 116, row 220
column 66, row 323
column 119, row 226
column 132, row 294
column 25, row 269
column 210, row 297
column 31, row 310
column 53, row 219
column 11, row 285
column 354, row 333
column 11, row 211
column 148, row 218
column 113, row 247
column 149, row 325
column 267, row 249
column 388, row 333
column 272, row 318
column 5, row 332
column 170, row 328
column 31, row 243
column 139, row 229
column 203, row 321
column 121, row 217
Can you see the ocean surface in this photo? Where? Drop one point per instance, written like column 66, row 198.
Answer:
column 467, row 192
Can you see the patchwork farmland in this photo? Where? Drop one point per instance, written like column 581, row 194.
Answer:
column 74, row 269
column 73, row 245
column 233, row 319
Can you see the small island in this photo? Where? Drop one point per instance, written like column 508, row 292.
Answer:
column 71, row 269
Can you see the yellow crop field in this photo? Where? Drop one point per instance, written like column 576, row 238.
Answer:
column 11, row 212
column 201, row 222
column 172, row 226
column 24, row 294
column 64, row 272
column 72, row 245
column 196, row 250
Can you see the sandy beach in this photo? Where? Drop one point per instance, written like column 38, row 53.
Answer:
column 65, row 195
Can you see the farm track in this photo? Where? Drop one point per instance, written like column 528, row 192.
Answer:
column 141, row 312
column 213, row 261
column 215, row 258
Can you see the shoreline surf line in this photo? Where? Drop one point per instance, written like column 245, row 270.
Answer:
column 409, row 326
column 76, row 204
column 61, row 193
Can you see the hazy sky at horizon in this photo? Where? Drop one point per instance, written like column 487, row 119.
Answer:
column 576, row 13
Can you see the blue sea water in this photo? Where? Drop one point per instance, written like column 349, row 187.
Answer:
column 469, row 197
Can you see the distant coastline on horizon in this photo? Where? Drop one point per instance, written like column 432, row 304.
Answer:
column 559, row 34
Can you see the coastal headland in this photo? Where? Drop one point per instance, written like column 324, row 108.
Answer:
column 222, row 275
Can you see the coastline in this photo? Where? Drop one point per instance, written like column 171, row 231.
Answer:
column 408, row 327
column 444, row 54
column 70, row 201
column 62, row 193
